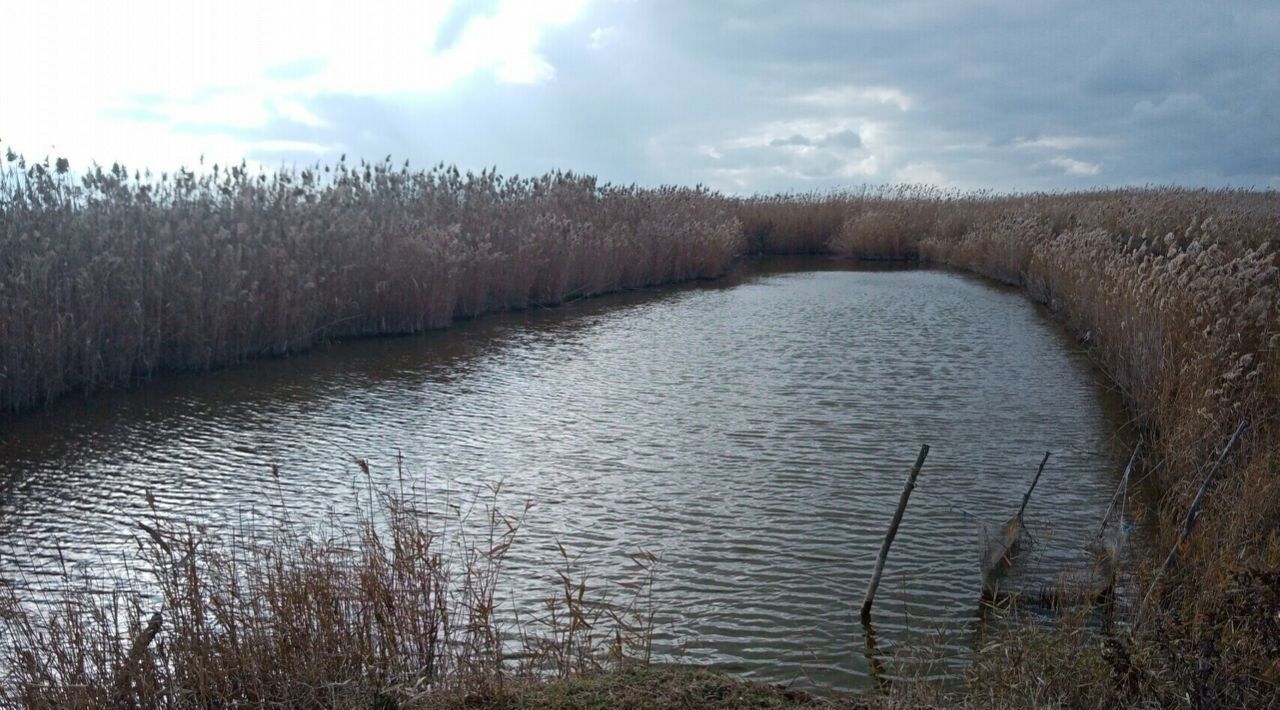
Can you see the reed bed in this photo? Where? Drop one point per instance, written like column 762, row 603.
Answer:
column 883, row 223
column 111, row 276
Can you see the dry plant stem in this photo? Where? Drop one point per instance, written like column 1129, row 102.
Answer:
column 1189, row 522
column 125, row 679
column 893, row 532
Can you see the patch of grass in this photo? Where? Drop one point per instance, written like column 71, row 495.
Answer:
column 647, row 686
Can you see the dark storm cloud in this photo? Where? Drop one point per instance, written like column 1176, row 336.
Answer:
column 760, row 96
column 1018, row 97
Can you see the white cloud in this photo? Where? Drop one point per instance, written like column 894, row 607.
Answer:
column 843, row 97
column 865, row 167
column 601, row 37
column 279, row 146
column 1061, row 142
column 161, row 83
column 709, row 151
column 1071, row 166
column 922, row 173
column 295, row 111
column 799, row 152
column 801, row 133
column 1173, row 106
column 505, row 42
column 223, row 109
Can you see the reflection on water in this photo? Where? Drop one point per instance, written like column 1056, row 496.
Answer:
column 754, row 432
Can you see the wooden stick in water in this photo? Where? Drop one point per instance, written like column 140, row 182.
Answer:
column 1027, row 498
column 1190, row 521
column 893, row 531
column 1124, row 484
column 998, row 554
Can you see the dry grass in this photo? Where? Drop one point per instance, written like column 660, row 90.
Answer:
column 404, row 604
column 877, row 224
column 111, row 277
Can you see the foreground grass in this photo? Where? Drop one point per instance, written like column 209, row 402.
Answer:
column 652, row 686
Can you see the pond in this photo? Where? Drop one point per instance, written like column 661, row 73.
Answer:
column 754, row 432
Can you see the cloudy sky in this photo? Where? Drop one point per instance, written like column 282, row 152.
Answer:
column 741, row 95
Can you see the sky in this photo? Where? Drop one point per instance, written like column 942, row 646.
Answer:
column 743, row 96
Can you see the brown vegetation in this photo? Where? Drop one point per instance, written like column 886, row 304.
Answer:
column 1176, row 293
column 111, row 277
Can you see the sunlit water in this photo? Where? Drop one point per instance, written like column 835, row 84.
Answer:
column 754, row 432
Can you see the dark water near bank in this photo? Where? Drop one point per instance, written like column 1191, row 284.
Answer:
column 755, row 432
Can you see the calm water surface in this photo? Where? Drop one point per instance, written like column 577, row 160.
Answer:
column 754, row 432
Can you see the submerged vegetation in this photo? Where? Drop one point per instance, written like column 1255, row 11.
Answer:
column 109, row 277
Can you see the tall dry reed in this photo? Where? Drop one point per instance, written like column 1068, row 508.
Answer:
column 112, row 276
